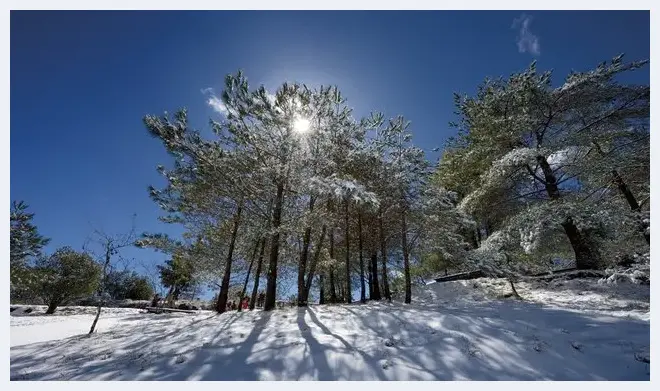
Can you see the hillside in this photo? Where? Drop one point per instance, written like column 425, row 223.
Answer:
column 454, row 332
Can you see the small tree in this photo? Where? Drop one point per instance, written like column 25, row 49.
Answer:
column 64, row 276
column 108, row 246
column 177, row 275
column 25, row 242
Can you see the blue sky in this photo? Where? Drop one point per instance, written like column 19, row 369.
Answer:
column 82, row 81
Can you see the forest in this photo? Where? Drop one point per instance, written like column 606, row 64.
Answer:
column 292, row 195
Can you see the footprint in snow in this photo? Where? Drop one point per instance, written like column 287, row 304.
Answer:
column 577, row 346
column 180, row 359
column 539, row 347
column 105, row 355
column 643, row 357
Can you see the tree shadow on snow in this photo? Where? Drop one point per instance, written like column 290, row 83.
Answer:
column 373, row 341
column 511, row 341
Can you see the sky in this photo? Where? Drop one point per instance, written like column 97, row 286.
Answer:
column 81, row 82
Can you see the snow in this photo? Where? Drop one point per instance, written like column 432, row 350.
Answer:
column 584, row 296
column 28, row 328
column 453, row 331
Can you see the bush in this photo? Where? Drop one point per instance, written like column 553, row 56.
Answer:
column 64, row 276
column 139, row 289
column 122, row 285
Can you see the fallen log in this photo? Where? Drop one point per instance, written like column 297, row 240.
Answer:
column 158, row 310
column 461, row 276
column 553, row 272
column 569, row 274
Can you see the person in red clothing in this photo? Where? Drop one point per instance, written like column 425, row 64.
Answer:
column 246, row 303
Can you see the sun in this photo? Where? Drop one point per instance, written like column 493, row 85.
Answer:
column 301, row 125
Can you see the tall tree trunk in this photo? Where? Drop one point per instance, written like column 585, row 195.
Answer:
column 363, row 293
column 586, row 255
column 104, row 276
column 221, row 304
column 257, row 274
column 321, row 289
column 406, row 261
column 168, row 297
column 632, row 201
column 302, row 263
column 348, row 295
column 333, row 292
column 247, row 276
column 52, row 306
column 623, row 187
column 370, row 280
column 475, row 241
column 383, row 252
column 312, row 266
column 374, row 267
column 271, row 283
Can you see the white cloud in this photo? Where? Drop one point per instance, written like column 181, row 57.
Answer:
column 216, row 103
column 219, row 106
column 526, row 40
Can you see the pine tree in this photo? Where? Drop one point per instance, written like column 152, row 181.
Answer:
column 521, row 139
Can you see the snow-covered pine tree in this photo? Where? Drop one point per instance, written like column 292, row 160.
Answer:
column 25, row 244
column 524, row 140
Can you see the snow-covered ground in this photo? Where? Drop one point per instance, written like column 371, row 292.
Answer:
column 28, row 328
column 589, row 296
column 454, row 331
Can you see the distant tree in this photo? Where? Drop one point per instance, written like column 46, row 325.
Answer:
column 126, row 284
column 64, row 276
column 116, row 284
column 139, row 289
column 25, row 240
column 177, row 275
column 25, row 243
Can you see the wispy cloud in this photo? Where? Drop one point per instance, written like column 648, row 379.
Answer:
column 216, row 103
column 219, row 106
column 527, row 41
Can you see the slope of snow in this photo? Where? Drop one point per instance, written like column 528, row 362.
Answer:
column 451, row 340
column 588, row 296
column 32, row 327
